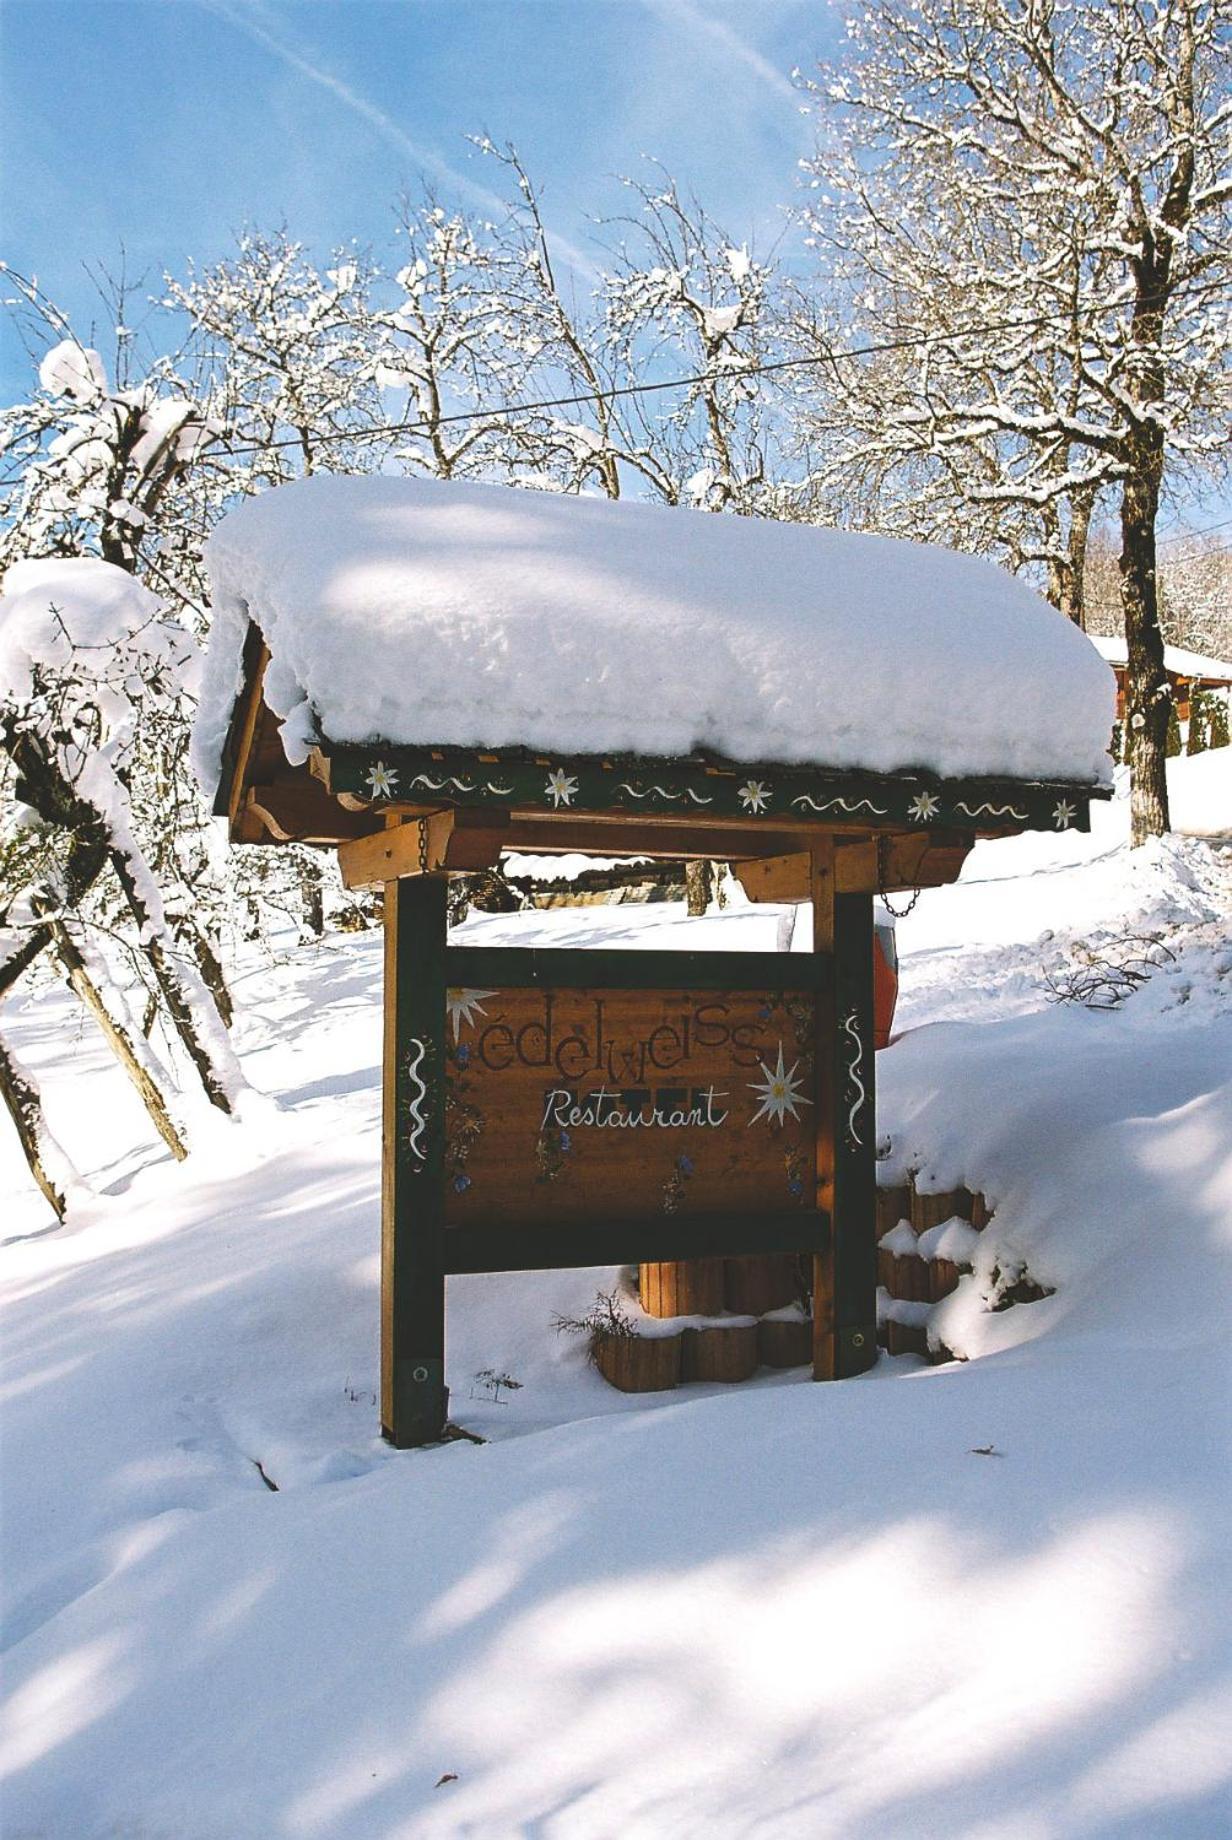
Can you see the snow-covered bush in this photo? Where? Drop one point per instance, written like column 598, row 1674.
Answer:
column 89, row 660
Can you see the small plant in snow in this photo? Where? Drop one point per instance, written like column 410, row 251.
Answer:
column 493, row 1384
column 605, row 1321
column 1103, row 977
column 1015, row 1284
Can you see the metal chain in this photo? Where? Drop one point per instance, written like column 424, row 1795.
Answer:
column 423, row 846
column 894, row 912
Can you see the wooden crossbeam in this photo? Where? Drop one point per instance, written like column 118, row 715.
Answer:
column 565, row 968
column 861, row 866
column 600, row 1241
column 612, row 835
column 425, row 846
column 775, row 878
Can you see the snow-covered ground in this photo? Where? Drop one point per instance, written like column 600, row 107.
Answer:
column 772, row 1610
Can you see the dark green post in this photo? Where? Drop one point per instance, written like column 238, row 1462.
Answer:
column 414, row 1397
column 855, row 1139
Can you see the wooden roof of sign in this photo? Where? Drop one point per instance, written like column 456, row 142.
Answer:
column 481, row 801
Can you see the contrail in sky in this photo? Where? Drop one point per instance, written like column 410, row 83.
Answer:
column 728, row 41
column 244, row 19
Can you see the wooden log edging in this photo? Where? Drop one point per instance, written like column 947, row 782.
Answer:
column 785, row 1339
column 638, row 1363
column 756, row 1286
column 720, row 1351
column 726, row 1348
column 926, row 1242
column 752, row 1286
column 688, row 1287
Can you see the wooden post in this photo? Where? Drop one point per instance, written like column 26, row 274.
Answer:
column 821, row 893
column 414, row 1398
column 854, row 1232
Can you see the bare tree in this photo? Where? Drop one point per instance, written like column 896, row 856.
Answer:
column 685, row 300
column 292, row 355
column 1034, row 191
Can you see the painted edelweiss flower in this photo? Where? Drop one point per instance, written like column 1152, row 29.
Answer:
column 560, row 788
column 754, row 795
column 780, row 1092
column 1063, row 814
column 463, row 1007
column 382, row 780
column 923, row 807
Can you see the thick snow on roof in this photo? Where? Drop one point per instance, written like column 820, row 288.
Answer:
column 420, row 611
column 1179, row 662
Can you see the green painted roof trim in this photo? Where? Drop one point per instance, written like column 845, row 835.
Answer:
column 708, row 789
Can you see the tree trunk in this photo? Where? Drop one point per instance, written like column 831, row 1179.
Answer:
column 312, row 893
column 208, row 964
column 1148, row 701
column 172, row 982
column 96, row 841
column 698, row 881
column 1056, row 569
column 1073, row 602
column 117, row 1040
column 20, row 1095
column 22, row 956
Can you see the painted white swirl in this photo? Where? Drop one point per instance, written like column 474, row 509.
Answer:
column 663, row 793
column 847, row 805
column 419, row 1123
column 500, row 792
column 439, row 785
column 994, row 811
column 852, row 1032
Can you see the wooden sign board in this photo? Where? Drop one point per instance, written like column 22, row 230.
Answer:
column 568, row 1103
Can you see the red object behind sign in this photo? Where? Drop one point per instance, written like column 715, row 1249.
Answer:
column 885, row 983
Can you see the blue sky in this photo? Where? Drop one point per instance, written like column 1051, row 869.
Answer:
column 163, row 126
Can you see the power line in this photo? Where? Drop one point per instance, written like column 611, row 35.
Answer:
column 1200, row 555
column 617, row 391
column 1202, row 530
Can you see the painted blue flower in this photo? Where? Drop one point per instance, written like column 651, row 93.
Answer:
column 795, row 1188
column 764, row 1012
column 685, row 1165
column 564, row 1140
column 462, row 1054
column 461, row 1182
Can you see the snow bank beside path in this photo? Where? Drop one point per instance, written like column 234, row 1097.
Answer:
column 422, row 611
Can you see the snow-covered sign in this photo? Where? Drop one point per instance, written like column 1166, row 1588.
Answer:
column 417, row 612
column 429, row 674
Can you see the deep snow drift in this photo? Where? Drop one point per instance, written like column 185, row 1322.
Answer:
column 430, row 611
column 776, row 1609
